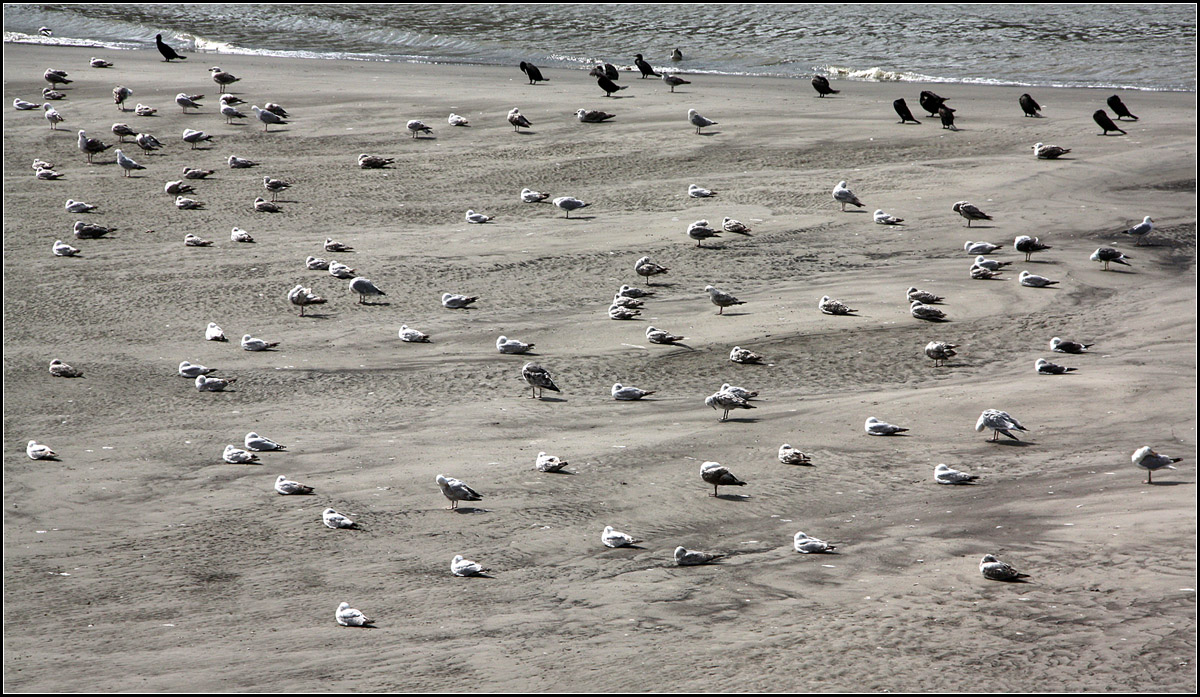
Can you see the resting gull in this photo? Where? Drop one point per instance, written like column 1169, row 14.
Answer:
column 923, row 296
column 1147, row 459
column 239, row 235
column 37, row 451
column 191, row 370
column 996, row 570
column 980, row 247
column 538, row 379
column 466, row 567
column 658, row 336
column 1048, row 152
column 262, row 205
column 507, row 345
column 741, row 355
column 999, row 422
column 738, row 391
column 791, row 456
column 1060, row 346
column 619, row 312
column 688, row 557
column 236, row 456
column 943, row 474
column 214, row 333
column 473, row 217
column 349, row 617
column 339, row 270
column 249, row 343
column 1035, row 281
column 61, row 370
column 22, row 105
column 875, row 427
column 366, row 161
column 882, row 218
column 1045, row 367
column 191, row 240
column 810, row 545
column 236, row 162
column 718, row 475
column 73, row 206
column 990, row 264
column 86, row 231
column 593, row 115
column 253, row 441
column 456, row 490
column 735, row 226
column 207, row 384
column 623, row 393
column 413, row 336
column 456, row 120
column 614, row 539
column 833, row 307
column 287, row 487
column 187, row 204
column 335, row 520
column 695, row 191
column 548, row 463
column 143, row 110
column 454, row 301
column 531, row 196
column 99, row 63
column 930, row 313
column 62, row 249
column 983, row 273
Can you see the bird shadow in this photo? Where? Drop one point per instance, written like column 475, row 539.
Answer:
column 551, row 399
column 856, row 210
column 317, row 315
column 977, row 227
column 1122, row 271
column 526, row 133
column 740, row 420
column 733, row 314
column 1042, row 261
column 561, row 472
column 1010, row 580
column 481, row 574
column 680, row 344
column 709, row 134
column 383, row 303
column 461, row 509
column 1150, row 483
column 732, row 497
column 581, row 217
column 1013, row 443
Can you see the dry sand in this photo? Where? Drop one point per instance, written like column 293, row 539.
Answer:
column 140, row 561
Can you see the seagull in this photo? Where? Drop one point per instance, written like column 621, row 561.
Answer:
column 548, row 463
column 456, row 491
column 37, row 451
column 335, row 520
column 718, row 475
column 339, row 270
column 622, row 313
column 791, row 456
column 236, row 162
column 1000, row 422
column 622, row 393
column 364, row 287
column 177, row 187
column 191, row 240
column 46, row 173
column 738, row 391
column 250, row 343
column 207, row 384
column 614, row 539
column 843, row 195
column 538, row 379
column 641, row 64
column 332, row 246
column 699, row 121
column 62, row 249
column 195, row 137
column 676, row 55
column 222, row 78
column 531, row 196
column 821, row 84
column 646, row 268
column 507, row 345
column 193, row 370
column 61, row 370
column 727, row 401
column 735, row 226
column 236, row 456
column 1060, row 346
column 84, row 231
column 122, row 130
column 267, row 117
column 275, row 186
column 674, row 81
column 413, row 336
column 73, row 206
column 45, row 31
column 56, row 77
column 143, row 110
column 302, row 297
column 473, row 217
column 167, row 52
column 456, row 120
column 940, row 351
column 700, row 231
column 1045, row 367
column 569, row 203
column 230, row 113
column 882, row 218
column 271, row 107
column 517, row 120
column 52, row 95
column 366, row 161
column 688, row 557
column 980, row 247
column 996, row 570
column 990, row 264
column 52, row 116
column 90, row 146
column 658, row 336
column 1035, row 281
column 1119, row 108
column 349, row 617
column 22, row 105
column 262, row 205
column 943, row 474
column 746, row 356
column 923, row 296
column 454, row 301
column 926, row 312
column 1109, row 255
column 287, row 487
column 185, row 102
column 1049, row 152
column 833, row 307
column 466, row 567
column 699, row 192
column 1028, row 245
column 190, row 204
column 417, row 127
column 1141, row 230
column 531, row 72
column 970, row 212
column 316, row 264
column 239, row 235
column 214, row 333
column 127, row 163
column 256, row 442
column 810, row 545
column 721, row 299
column 39, row 163
column 120, row 94
column 875, row 427
column 1143, row 457
column 983, row 273
column 592, row 115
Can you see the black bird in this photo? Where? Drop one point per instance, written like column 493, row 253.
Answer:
column 1119, row 108
column 821, row 84
column 1029, row 105
column 902, row 110
column 643, row 66
column 947, row 116
column 167, row 52
column 611, row 72
column 1103, row 121
column 531, row 71
column 931, row 102
column 608, row 85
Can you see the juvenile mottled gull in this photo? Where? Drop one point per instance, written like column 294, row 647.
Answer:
column 810, row 545
column 943, row 474
column 222, row 78
column 735, row 226
column 122, row 131
column 741, row 355
column 592, row 115
column 90, row 146
column 922, row 296
column 548, row 463
column 366, row 161
column 1150, row 461
column 1061, row 346
column 727, row 401
column 875, row 427
column 456, row 490
column 926, row 312
column 688, row 557
column 970, row 212
column 61, row 370
column 718, row 475
column 287, row 487
column 722, row 299
column 939, row 351
column 983, row 273
column 791, row 456
column 833, row 307
column 538, row 379
column 646, row 268
column 996, row 570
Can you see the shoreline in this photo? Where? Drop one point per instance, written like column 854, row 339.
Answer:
column 178, row 562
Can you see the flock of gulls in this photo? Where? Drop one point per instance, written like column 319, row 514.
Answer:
column 626, row 304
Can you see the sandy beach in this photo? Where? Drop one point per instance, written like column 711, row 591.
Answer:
column 139, row 561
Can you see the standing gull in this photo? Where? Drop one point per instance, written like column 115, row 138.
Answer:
column 56, row 77
column 1028, row 245
column 646, row 268
column 518, row 120
column 456, row 491
column 275, row 186
column 230, row 113
column 569, row 203
column 222, row 78
column 700, row 231
column 1000, row 422
column 302, row 297
column 120, row 94
column 364, row 287
column 674, row 81
column 90, row 146
column 722, row 299
column 186, row 102
column 122, row 130
column 191, row 135
column 699, row 121
column 268, row 118
column 843, row 195
column 1108, row 255
column 417, row 127
column 1140, row 230
column 727, row 401
column 940, row 351
column 970, row 212
column 1148, row 460
column 52, row 116
column 718, row 475
column 538, row 379
column 127, row 164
